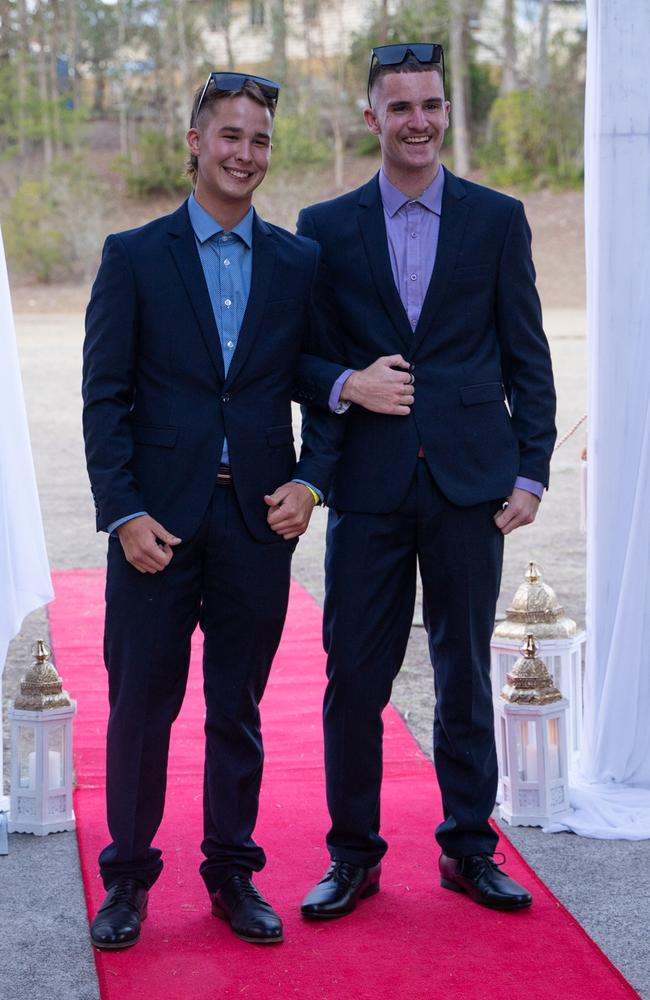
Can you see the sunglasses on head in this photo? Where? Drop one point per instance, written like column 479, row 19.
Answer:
column 234, row 82
column 394, row 55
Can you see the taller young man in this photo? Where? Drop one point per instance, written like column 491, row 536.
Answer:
column 195, row 329
column 439, row 270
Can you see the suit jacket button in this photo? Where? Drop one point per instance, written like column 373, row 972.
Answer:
column 225, row 397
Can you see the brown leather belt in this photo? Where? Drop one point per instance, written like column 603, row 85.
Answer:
column 224, row 476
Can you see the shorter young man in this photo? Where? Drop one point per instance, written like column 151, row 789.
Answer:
column 195, row 330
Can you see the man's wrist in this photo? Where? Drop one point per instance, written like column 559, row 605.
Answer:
column 114, row 525
column 530, row 486
column 336, row 401
column 316, row 494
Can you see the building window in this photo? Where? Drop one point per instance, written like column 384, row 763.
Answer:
column 310, row 11
column 257, row 12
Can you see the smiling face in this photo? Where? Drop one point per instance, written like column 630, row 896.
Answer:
column 409, row 115
column 232, row 146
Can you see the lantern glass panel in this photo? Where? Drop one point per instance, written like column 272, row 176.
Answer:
column 527, row 750
column 553, row 732
column 504, row 749
column 55, row 756
column 556, row 672
column 26, row 757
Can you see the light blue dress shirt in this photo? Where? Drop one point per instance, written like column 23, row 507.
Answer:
column 227, row 262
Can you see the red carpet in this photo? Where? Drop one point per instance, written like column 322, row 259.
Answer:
column 414, row 940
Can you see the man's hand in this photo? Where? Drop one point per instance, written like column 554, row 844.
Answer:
column 290, row 509
column 381, row 388
column 522, row 509
column 147, row 545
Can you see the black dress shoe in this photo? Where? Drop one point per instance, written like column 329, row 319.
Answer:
column 250, row 916
column 482, row 879
column 117, row 922
column 339, row 890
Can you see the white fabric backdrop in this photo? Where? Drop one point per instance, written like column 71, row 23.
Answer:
column 611, row 795
column 24, row 571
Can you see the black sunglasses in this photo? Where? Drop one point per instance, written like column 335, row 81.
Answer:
column 394, row 55
column 234, row 82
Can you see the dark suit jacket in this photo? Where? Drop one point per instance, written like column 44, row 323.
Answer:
column 156, row 402
column 479, row 343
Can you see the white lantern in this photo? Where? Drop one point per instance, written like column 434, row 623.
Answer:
column 41, row 751
column 535, row 608
column 531, row 741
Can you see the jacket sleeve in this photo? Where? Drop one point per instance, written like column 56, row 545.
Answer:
column 108, row 386
column 525, row 355
column 323, row 361
column 322, row 431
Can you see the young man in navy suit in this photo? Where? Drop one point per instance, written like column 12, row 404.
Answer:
column 433, row 275
column 197, row 328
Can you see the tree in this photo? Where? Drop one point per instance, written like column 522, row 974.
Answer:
column 458, row 36
column 509, row 73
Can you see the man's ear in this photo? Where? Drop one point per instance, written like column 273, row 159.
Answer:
column 192, row 139
column 371, row 121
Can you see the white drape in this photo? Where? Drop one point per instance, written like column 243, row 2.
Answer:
column 611, row 795
column 24, row 571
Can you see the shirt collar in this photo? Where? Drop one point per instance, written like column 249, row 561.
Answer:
column 205, row 226
column 393, row 199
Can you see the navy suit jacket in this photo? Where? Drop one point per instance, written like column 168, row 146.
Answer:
column 157, row 403
column 479, row 345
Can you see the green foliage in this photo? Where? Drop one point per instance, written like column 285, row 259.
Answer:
column 44, row 236
column 34, row 241
column 157, row 165
column 533, row 140
column 298, row 142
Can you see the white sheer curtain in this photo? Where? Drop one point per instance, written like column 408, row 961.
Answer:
column 24, row 571
column 611, row 794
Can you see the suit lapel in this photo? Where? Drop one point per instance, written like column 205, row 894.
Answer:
column 186, row 257
column 453, row 219
column 373, row 234
column 264, row 254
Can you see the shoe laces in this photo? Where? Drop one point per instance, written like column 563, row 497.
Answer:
column 125, row 890
column 343, row 873
column 490, row 860
column 245, row 887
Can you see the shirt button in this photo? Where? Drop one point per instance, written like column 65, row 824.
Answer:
column 414, row 277
column 229, row 345
column 414, row 236
column 227, row 303
column 226, row 262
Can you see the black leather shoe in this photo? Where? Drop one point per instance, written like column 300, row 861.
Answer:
column 250, row 916
column 338, row 892
column 117, row 922
column 481, row 878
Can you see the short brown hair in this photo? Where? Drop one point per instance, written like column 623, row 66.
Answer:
column 212, row 96
column 408, row 65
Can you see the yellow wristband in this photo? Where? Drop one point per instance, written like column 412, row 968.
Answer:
column 314, row 494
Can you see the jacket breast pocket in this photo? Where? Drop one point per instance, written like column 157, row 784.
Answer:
column 277, row 436
column 162, row 437
column 485, row 392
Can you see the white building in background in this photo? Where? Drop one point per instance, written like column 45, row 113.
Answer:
column 240, row 31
